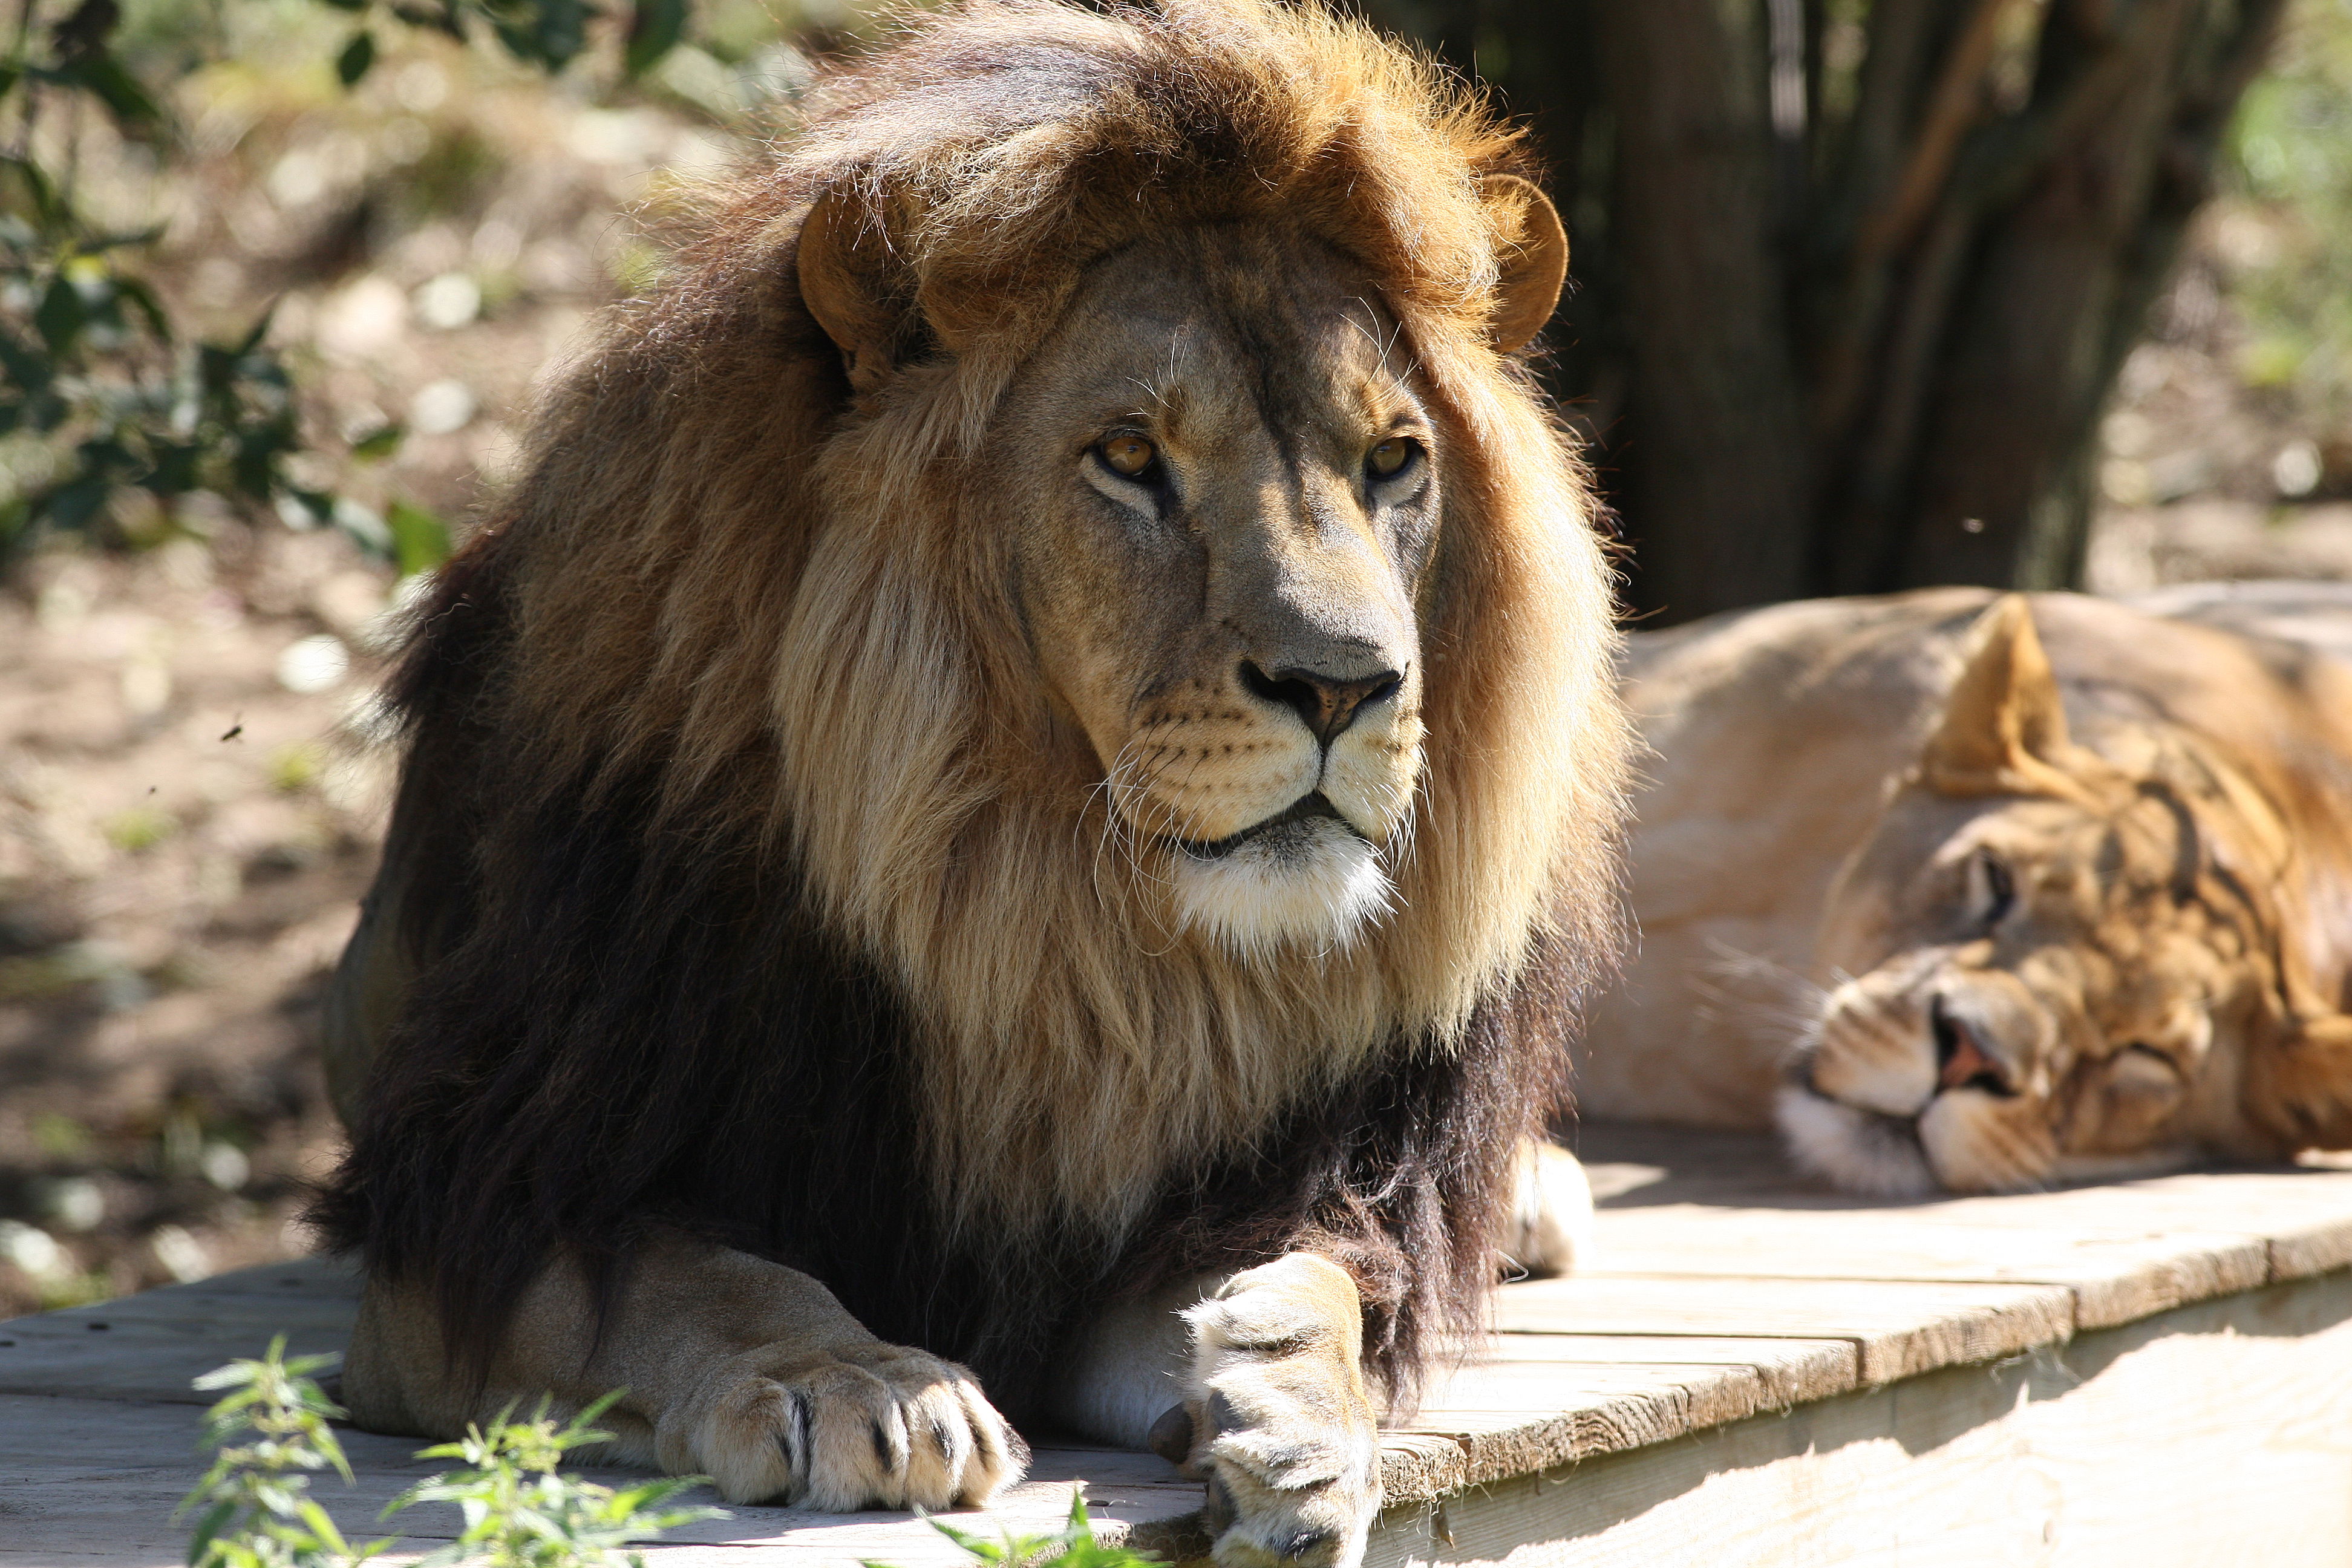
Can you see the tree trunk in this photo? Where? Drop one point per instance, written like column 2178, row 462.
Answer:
column 1845, row 325
column 1716, row 402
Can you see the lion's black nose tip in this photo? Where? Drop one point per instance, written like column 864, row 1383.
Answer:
column 1326, row 703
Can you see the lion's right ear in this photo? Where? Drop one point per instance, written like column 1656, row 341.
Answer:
column 1533, row 255
column 2004, row 726
column 848, row 283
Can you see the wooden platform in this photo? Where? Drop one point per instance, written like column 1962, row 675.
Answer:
column 1754, row 1371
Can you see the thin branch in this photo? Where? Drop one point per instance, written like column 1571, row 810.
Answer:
column 1954, row 106
column 25, row 83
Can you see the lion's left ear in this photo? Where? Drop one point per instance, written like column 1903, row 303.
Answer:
column 849, row 285
column 1534, row 257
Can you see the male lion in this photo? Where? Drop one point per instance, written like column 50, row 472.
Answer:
column 2025, row 914
column 1036, row 750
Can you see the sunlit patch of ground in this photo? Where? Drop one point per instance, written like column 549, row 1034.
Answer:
column 187, row 820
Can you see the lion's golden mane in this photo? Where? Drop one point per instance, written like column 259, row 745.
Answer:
column 742, row 636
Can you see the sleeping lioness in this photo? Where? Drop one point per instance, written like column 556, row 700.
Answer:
column 1982, row 892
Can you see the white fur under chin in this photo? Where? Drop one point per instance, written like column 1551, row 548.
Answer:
column 1856, row 1151
column 1309, row 884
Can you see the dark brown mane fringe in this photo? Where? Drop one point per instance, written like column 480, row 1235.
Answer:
column 633, row 1006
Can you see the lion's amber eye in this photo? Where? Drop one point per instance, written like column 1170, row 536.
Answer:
column 1389, row 458
column 1132, row 456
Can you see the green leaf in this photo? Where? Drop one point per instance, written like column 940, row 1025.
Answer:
column 358, row 56
column 27, row 369
column 653, row 30
column 138, row 294
column 200, row 1542
column 72, row 506
column 83, row 31
column 252, row 339
column 42, row 192
column 102, row 76
column 444, row 17
column 379, row 443
column 61, row 315
column 545, row 32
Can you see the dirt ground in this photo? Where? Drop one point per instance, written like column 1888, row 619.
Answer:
column 188, row 808
column 183, row 836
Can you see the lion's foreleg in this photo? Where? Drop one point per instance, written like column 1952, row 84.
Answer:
column 1282, row 1424
column 740, row 1369
column 1254, row 1383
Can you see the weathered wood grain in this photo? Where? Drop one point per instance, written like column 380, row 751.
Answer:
column 1792, row 1371
column 2116, row 1277
column 1752, row 1371
column 1899, row 1329
column 2219, row 1433
column 95, row 1481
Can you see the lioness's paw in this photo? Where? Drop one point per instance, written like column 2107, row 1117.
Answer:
column 1282, row 1423
column 873, row 1426
column 1550, row 1231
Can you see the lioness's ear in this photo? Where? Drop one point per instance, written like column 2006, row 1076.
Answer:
column 2004, row 725
column 846, row 280
column 1534, row 257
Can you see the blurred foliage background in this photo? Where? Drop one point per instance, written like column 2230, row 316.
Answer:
column 278, row 282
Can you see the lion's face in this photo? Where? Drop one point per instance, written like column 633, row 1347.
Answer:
column 2038, row 989
column 1227, row 493
column 2053, row 962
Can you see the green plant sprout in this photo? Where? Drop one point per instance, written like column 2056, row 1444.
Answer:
column 253, row 1508
column 1073, row 1546
column 521, row 1514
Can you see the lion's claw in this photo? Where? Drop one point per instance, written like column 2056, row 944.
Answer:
column 870, row 1427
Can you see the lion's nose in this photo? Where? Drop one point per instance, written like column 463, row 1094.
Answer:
column 1327, row 703
column 1961, row 1059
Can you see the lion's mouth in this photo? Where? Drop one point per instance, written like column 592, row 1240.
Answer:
column 1294, row 820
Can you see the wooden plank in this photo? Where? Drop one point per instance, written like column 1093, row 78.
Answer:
column 2305, row 1214
column 139, row 1354
column 1499, row 1444
column 1416, row 1465
column 1792, row 1370
column 331, row 1278
column 1525, row 1401
column 150, row 1346
column 1705, row 1395
column 1726, row 1296
column 2116, row 1275
column 131, row 1517
column 89, row 1478
column 2216, row 1432
column 1899, row 1329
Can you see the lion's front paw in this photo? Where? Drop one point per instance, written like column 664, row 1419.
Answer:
column 1282, row 1423
column 873, row 1426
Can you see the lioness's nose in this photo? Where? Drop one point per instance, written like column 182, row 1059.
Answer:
column 1327, row 702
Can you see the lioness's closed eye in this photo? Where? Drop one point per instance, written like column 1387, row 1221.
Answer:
column 1038, row 733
